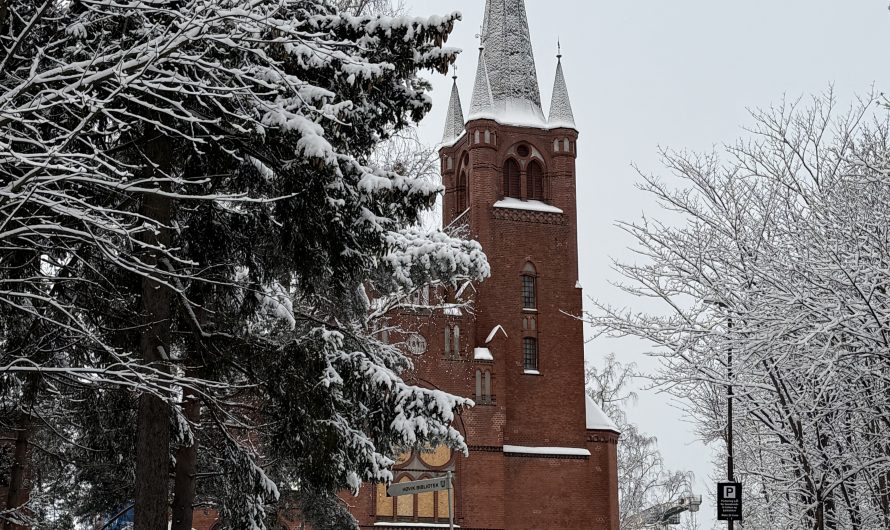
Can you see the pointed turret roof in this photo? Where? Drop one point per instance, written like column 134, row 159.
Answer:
column 482, row 104
column 561, row 114
column 454, row 121
column 510, row 63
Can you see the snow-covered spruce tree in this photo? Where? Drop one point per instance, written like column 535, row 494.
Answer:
column 781, row 260
column 207, row 159
column 643, row 481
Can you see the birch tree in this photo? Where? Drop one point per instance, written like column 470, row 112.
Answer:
column 778, row 262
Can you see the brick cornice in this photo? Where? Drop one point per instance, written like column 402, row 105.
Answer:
column 608, row 437
column 528, row 216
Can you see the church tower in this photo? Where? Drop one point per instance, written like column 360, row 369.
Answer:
column 542, row 456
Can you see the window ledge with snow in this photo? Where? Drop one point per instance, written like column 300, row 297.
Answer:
column 553, row 451
column 513, row 203
column 531, row 372
column 415, row 525
column 482, row 354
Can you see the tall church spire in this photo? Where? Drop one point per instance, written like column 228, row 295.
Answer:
column 482, row 104
column 561, row 114
column 510, row 62
column 454, row 121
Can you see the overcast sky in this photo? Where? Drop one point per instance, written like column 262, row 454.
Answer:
column 645, row 74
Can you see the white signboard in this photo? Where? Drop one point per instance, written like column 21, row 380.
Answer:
column 418, row 486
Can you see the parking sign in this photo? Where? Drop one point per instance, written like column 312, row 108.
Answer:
column 729, row 501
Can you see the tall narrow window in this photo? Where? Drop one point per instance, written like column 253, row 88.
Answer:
column 486, row 388
column 511, row 179
column 535, row 181
column 478, row 386
column 529, row 287
column 447, row 340
column 455, row 343
column 461, row 199
column 530, row 353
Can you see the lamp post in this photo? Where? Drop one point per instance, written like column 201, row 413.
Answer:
column 730, row 466
column 729, row 394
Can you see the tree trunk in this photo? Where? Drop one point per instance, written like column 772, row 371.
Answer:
column 153, row 424
column 186, row 468
column 14, row 497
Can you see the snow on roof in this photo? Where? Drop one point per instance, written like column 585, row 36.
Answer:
column 597, row 419
column 518, row 204
column 482, row 354
column 454, row 121
column 482, row 103
column 508, row 52
column 494, row 331
column 561, row 114
column 556, row 451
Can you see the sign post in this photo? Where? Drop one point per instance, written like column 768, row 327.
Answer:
column 450, row 510
column 729, row 501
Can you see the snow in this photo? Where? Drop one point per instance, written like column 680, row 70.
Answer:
column 482, row 102
column 494, row 331
column 531, row 372
column 530, row 205
column 454, row 122
column 509, row 55
column 416, row 525
column 597, row 419
column 561, row 114
column 555, row 451
column 578, row 285
column 482, row 354
column 452, row 310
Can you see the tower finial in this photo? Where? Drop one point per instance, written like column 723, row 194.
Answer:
column 558, row 49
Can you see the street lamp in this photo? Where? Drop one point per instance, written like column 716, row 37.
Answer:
column 730, row 524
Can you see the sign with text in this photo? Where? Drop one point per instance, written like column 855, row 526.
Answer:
column 729, row 501
column 418, row 486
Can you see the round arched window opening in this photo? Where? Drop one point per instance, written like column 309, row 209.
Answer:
column 522, row 151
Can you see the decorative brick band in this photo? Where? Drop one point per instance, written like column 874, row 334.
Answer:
column 485, row 448
column 528, row 216
column 602, row 437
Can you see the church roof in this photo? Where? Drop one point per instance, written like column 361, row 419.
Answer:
column 454, row 121
column 561, row 114
column 509, row 60
column 597, row 419
column 482, row 103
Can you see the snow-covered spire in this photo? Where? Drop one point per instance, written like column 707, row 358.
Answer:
column 482, row 104
column 561, row 114
column 510, row 62
column 454, row 121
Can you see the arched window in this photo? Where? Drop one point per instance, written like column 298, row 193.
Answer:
column 511, row 179
column 529, row 287
column 530, row 353
column 461, row 198
column 447, row 340
column 405, row 503
column 535, row 181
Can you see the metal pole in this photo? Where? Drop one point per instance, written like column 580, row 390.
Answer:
column 729, row 394
column 450, row 502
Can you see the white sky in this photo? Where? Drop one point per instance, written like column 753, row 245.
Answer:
column 680, row 74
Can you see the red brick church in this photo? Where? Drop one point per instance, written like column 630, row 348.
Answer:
column 542, row 455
